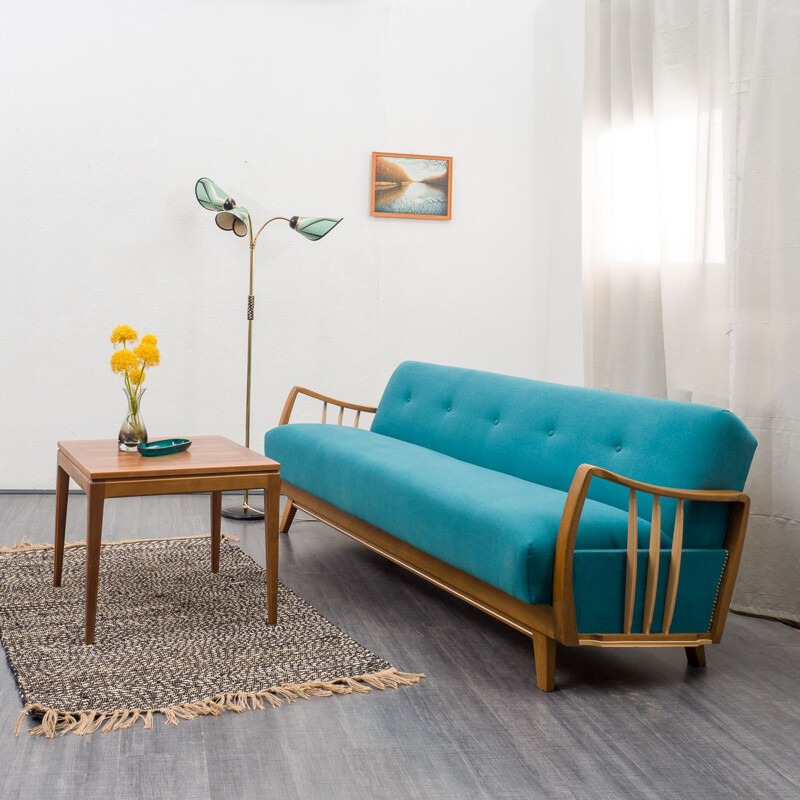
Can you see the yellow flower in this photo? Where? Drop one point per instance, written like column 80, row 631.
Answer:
column 148, row 338
column 122, row 334
column 124, row 361
column 148, row 354
column 136, row 376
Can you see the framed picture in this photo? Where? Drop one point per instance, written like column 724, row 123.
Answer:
column 415, row 187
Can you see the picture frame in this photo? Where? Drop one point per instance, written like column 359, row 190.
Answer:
column 411, row 186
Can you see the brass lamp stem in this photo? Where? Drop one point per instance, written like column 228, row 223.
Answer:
column 250, row 315
column 254, row 240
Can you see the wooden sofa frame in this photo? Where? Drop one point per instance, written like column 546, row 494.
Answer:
column 548, row 624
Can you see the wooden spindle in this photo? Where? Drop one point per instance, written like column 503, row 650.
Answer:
column 324, row 413
column 358, row 417
column 341, row 415
column 633, row 557
column 652, row 565
column 674, row 569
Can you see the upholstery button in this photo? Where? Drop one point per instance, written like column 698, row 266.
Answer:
column 449, row 408
column 551, row 432
column 497, row 422
column 408, row 399
column 618, row 448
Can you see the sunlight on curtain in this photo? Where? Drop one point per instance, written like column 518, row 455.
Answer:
column 644, row 168
column 655, row 275
column 691, row 235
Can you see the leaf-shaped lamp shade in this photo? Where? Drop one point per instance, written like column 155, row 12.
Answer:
column 314, row 228
column 234, row 220
column 210, row 196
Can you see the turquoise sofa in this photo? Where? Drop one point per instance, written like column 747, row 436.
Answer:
column 575, row 515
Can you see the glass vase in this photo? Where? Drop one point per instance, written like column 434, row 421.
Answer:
column 133, row 431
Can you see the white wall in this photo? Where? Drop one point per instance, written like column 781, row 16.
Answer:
column 111, row 111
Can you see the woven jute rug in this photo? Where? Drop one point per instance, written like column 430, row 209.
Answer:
column 172, row 638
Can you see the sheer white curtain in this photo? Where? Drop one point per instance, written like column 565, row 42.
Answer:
column 691, row 235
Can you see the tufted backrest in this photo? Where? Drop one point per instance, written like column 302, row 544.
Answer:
column 541, row 432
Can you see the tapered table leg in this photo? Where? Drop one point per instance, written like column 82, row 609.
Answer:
column 271, row 525
column 62, row 497
column 94, row 530
column 216, row 532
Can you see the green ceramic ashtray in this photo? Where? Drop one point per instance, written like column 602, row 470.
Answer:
column 164, row 447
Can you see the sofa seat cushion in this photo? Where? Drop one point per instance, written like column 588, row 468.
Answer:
column 497, row 527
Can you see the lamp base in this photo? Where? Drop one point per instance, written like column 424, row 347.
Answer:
column 242, row 512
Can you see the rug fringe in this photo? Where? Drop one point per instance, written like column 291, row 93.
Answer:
column 25, row 544
column 82, row 723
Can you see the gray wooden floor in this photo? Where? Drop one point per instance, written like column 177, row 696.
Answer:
column 623, row 724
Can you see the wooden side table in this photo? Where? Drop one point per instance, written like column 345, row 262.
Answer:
column 212, row 464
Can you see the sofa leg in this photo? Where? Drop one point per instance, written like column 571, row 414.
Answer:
column 288, row 515
column 696, row 656
column 544, row 653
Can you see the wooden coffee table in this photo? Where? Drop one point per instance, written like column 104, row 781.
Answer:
column 212, row 464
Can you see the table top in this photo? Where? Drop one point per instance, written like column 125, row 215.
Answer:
column 101, row 459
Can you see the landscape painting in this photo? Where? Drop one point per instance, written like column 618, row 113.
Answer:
column 418, row 187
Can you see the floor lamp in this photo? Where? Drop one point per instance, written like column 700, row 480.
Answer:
column 231, row 217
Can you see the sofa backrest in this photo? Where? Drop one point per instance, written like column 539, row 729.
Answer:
column 541, row 432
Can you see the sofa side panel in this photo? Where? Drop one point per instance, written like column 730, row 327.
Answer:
column 599, row 590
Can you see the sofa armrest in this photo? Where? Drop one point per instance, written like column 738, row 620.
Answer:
column 325, row 400
column 563, row 597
